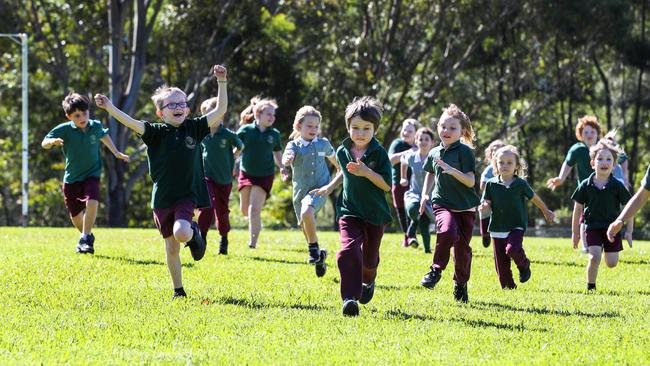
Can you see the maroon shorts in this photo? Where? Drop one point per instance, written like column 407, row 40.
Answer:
column 245, row 180
column 165, row 217
column 76, row 194
column 598, row 238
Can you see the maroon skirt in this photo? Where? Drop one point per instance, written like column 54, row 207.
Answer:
column 245, row 180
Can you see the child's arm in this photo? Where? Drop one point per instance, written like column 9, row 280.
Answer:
column 403, row 169
column 575, row 224
column 632, row 207
column 277, row 158
column 467, row 179
column 548, row 214
column 108, row 141
column 628, row 231
column 334, row 162
column 328, row 188
column 216, row 114
column 288, row 156
column 428, row 184
column 557, row 181
column 361, row 170
column 53, row 141
column 396, row 157
column 103, row 102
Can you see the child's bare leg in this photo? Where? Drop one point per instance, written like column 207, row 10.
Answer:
column 172, row 251
column 309, row 224
column 90, row 216
column 183, row 231
column 595, row 253
column 78, row 221
column 611, row 259
column 244, row 200
column 583, row 237
column 257, row 199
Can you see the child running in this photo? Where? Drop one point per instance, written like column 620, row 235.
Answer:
column 79, row 140
column 488, row 173
column 220, row 148
column 397, row 149
column 620, row 171
column 414, row 161
column 506, row 196
column 599, row 199
column 262, row 152
column 632, row 207
column 452, row 166
column 306, row 153
column 361, row 208
column 175, row 167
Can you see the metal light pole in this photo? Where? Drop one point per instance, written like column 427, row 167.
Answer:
column 21, row 39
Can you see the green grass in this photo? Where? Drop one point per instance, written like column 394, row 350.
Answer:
column 266, row 306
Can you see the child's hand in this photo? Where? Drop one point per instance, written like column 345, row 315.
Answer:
column 423, row 202
column 553, row 183
column 57, row 142
column 320, row 192
column 284, row 173
column 614, row 229
column 575, row 238
column 485, row 206
column 102, row 101
column 220, row 72
column 446, row 168
column 628, row 237
column 122, row 157
column 549, row 216
column 404, row 182
column 287, row 158
column 359, row 168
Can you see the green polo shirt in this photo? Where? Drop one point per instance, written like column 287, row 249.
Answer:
column 448, row 191
column 175, row 166
column 397, row 146
column 218, row 159
column 509, row 203
column 645, row 183
column 601, row 206
column 81, row 149
column 257, row 156
column 360, row 197
column 578, row 156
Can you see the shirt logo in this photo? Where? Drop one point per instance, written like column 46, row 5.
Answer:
column 93, row 139
column 269, row 139
column 223, row 143
column 190, row 143
column 372, row 165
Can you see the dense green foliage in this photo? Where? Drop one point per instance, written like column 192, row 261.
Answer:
column 523, row 70
column 266, row 306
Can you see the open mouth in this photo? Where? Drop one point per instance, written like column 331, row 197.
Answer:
column 178, row 114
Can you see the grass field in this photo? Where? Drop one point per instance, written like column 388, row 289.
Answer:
column 266, row 306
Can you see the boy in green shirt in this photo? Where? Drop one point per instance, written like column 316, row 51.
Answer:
column 79, row 139
column 175, row 167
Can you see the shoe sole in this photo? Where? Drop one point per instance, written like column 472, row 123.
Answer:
column 350, row 308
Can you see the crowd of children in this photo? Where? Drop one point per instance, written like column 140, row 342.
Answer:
column 192, row 164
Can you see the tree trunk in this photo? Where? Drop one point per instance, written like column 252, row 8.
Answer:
column 634, row 154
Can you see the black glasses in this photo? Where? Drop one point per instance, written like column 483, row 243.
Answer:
column 175, row 105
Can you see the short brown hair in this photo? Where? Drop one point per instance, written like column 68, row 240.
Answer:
column 425, row 131
column 75, row 102
column 367, row 108
column 467, row 132
column 588, row 120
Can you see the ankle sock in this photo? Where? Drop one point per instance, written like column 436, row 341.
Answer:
column 313, row 250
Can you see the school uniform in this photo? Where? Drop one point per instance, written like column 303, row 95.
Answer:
column 578, row 157
column 218, row 163
column 508, row 224
column 362, row 213
column 397, row 191
column 310, row 172
column 453, row 205
column 601, row 208
column 176, row 169
column 257, row 164
column 83, row 164
column 413, row 196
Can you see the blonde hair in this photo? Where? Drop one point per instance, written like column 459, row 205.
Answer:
column 411, row 122
column 605, row 144
column 367, row 108
column 467, row 132
column 208, row 105
column 591, row 121
column 304, row 111
column 492, row 148
column 163, row 92
column 256, row 105
column 520, row 169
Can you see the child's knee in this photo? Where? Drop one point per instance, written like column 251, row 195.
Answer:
column 594, row 258
column 611, row 261
column 182, row 231
column 92, row 203
column 307, row 214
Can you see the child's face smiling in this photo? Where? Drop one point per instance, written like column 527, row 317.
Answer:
column 507, row 163
column 266, row 117
column 423, row 141
column 408, row 134
column 603, row 163
column 309, row 127
column 79, row 118
column 174, row 110
column 589, row 135
column 449, row 129
column 361, row 131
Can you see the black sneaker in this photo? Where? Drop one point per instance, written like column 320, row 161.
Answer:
column 223, row 245
column 314, row 256
column 430, row 279
column 196, row 244
column 83, row 247
column 350, row 307
column 178, row 293
column 524, row 274
column 320, row 265
column 486, row 241
column 367, row 292
column 591, row 287
column 460, row 292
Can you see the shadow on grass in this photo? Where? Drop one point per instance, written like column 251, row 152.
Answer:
column 481, row 305
column 140, row 262
column 402, row 315
column 597, row 292
column 553, row 263
column 627, row 261
column 399, row 287
column 275, row 260
column 258, row 305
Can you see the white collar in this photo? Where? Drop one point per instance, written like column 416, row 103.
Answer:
column 304, row 143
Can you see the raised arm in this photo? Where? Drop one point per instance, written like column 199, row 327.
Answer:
column 216, row 114
column 104, row 103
